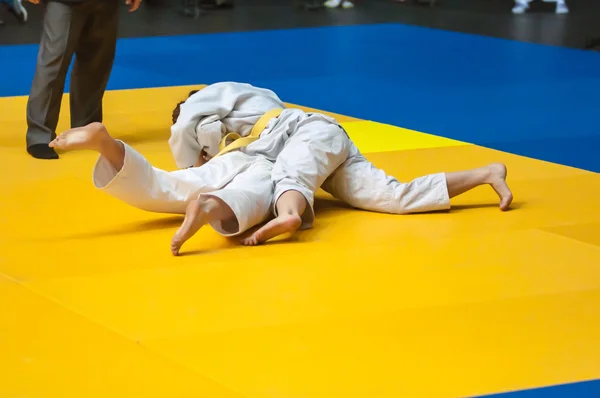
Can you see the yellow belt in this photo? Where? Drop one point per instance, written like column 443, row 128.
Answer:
column 239, row 141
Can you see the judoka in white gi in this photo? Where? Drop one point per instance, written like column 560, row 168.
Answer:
column 309, row 150
column 232, row 193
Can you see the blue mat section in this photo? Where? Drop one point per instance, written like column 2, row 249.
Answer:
column 533, row 100
column 588, row 389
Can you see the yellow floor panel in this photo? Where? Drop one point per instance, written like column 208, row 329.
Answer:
column 329, row 283
column 377, row 137
column 363, row 305
column 47, row 351
column 441, row 351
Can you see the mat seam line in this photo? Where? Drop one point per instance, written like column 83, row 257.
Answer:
column 568, row 238
column 122, row 334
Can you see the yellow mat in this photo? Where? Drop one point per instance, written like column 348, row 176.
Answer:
column 463, row 303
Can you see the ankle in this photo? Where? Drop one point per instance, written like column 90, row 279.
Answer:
column 105, row 143
column 487, row 175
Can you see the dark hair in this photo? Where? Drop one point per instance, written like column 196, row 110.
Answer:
column 177, row 109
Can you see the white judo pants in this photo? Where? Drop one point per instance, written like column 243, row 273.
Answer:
column 314, row 151
column 242, row 181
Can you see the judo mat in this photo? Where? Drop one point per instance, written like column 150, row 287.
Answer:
column 470, row 302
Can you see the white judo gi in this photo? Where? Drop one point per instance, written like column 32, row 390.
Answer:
column 240, row 180
column 310, row 150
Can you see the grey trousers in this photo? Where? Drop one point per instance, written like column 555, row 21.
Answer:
column 88, row 31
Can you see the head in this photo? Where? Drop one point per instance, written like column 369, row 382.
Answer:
column 177, row 109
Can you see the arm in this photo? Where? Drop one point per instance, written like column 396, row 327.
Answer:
column 133, row 4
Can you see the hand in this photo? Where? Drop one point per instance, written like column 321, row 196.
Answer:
column 134, row 4
column 202, row 159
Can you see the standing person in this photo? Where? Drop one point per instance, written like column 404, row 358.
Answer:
column 86, row 29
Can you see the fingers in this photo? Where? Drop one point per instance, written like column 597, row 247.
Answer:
column 135, row 4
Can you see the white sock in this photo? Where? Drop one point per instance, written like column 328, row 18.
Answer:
column 333, row 3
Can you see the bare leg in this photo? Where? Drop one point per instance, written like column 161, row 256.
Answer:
column 494, row 174
column 200, row 212
column 92, row 137
column 290, row 207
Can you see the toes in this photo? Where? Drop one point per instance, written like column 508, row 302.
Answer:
column 176, row 244
column 251, row 241
column 506, row 202
column 175, row 249
column 56, row 143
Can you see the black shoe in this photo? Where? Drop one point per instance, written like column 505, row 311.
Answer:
column 42, row 151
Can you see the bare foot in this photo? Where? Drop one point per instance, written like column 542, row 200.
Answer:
column 278, row 226
column 86, row 137
column 497, row 179
column 194, row 220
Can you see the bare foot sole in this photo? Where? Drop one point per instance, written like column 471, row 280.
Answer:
column 278, row 226
column 497, row 180
column 86, row 137
column 194, row 220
